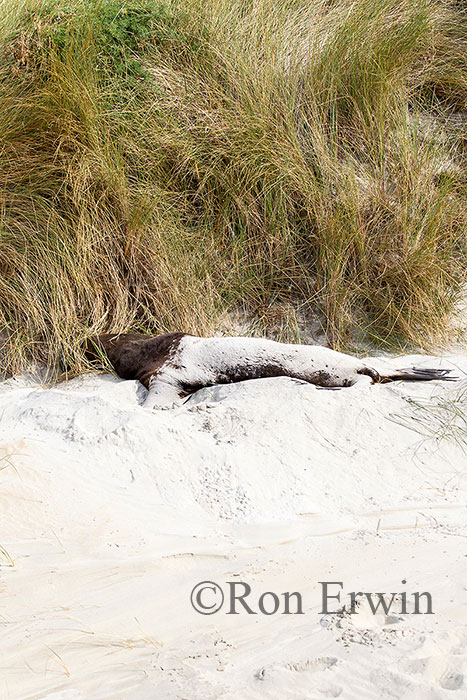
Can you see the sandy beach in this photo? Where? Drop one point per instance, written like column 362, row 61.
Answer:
column 112, row 514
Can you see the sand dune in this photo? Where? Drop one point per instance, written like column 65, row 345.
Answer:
column 111, row 514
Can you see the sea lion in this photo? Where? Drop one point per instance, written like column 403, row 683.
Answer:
column 174, row 365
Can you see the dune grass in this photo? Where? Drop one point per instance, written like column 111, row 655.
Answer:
column 163, row 163
column 438, row 418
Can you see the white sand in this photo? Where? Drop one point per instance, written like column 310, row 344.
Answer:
column 112, row 514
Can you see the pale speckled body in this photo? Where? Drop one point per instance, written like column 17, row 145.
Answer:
column 198, row 362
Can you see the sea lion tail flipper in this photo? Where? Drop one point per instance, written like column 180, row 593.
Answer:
column 418, row 374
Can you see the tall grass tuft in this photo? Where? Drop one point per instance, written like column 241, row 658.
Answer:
column 165, row 162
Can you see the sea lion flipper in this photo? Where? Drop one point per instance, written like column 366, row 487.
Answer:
column 162, row 393
column 419, row 374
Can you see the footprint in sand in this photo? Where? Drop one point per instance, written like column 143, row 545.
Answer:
column 314, row 666
column 450, row 680
column 320, row 664
column 436, row 669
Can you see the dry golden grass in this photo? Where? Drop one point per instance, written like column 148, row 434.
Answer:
column 162, row 163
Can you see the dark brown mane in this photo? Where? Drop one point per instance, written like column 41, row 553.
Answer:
column 134, row 355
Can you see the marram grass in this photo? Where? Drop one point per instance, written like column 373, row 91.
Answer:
column 162, row 163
